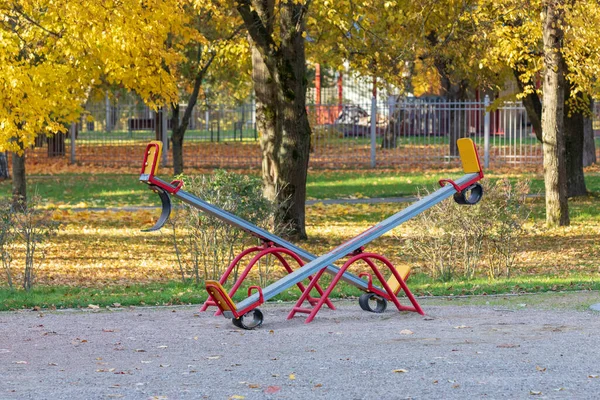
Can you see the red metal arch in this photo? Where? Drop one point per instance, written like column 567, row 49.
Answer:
column 263, row 251
column 387, row 293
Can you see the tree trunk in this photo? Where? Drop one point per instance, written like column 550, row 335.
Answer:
column 453, row 92
column 533, row 106
column 280, row 84
column 177, row 134
column 589, row 144
column 19, row 183
column 158, row 125
column 180, row 127
column 3, row 166
column 266, row 123
column 397, row 122
column 573, row 127
column 393, row 130
column 555, row 176
column 295, row 146
column 396, row 126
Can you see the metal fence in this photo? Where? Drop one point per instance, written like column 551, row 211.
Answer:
column 397, row 133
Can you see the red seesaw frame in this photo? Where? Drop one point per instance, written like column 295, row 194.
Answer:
column 388, row 294
column 262, row 251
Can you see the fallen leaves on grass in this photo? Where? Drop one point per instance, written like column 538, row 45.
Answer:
column 96, row 248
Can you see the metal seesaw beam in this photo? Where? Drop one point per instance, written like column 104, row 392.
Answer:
column 150, row 167
column 353, row 244
column 258, row 232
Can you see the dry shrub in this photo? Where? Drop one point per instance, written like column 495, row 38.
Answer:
column 24, row 232
column 467, row 241
column 205, row 245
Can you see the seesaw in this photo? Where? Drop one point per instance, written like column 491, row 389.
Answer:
column 271, row 244
column 246, row 314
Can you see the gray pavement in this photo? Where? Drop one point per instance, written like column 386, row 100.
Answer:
column 543, row 346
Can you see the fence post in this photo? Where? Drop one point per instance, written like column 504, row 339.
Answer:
column 373, row 124
column 165, row 136
column 486, row 133
column 72, row 133
column 219, row 116
column 107, row 102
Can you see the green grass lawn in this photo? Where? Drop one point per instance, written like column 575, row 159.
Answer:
column 177, row 293
column 112, row 190
column 115, row 190
column 127, row 137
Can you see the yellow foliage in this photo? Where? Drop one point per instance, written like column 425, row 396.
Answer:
column 480, row 41
column 510, row 36
column 54, row 52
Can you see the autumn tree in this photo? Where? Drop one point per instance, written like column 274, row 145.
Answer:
column 445, row 45
column 218, row 53
column 514, row 37
column 53, row 52
column 372, row 38
column 407, row 45
column 582, row 56
column 481, row 43
column 276, row 31
column 555, row 172
column 37, row 91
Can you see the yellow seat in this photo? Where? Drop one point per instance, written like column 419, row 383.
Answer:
column 468, row 156
column 153, row 154
column 221, row 298
column 404, row 272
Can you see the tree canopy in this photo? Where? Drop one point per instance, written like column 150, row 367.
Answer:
column 52, row 52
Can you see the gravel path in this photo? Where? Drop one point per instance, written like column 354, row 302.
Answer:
column 544, row 346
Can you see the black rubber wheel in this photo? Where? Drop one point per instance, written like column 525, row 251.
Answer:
column 252, row 319
column 372, row 303
column 470, row 195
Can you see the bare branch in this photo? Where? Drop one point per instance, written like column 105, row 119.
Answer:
column 19, row 11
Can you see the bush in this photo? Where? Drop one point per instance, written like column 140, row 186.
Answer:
column 6, row 239
column 23, row 233
column 467, row 241
column 208, row 244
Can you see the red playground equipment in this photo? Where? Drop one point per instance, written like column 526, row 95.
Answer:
column 309, row 269
column 268, row 248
